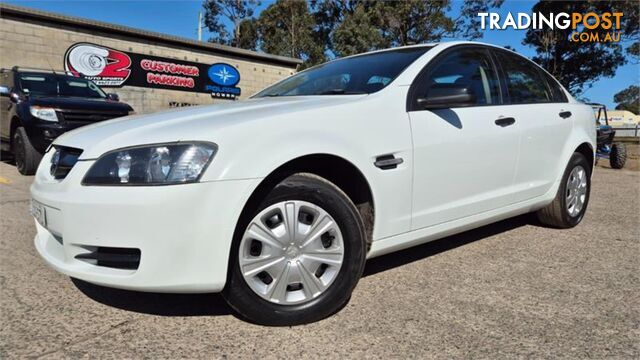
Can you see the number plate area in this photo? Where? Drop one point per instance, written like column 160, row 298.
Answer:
column 39, row 212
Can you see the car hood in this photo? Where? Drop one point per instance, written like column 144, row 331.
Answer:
column 78, row 103
column 199, row 123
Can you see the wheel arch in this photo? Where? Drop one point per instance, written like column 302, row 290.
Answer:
column 339, row 171
column 587, row 150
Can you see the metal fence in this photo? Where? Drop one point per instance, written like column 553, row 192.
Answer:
column 627, row 131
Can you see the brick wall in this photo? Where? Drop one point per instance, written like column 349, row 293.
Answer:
column 40, row 45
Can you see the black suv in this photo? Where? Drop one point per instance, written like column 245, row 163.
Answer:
column 36, row 106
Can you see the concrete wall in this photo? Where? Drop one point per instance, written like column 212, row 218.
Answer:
column 42, row 45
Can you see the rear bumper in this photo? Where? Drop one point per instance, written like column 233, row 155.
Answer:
column 183, row 232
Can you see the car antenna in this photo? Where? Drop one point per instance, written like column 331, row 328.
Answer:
column 51, row 67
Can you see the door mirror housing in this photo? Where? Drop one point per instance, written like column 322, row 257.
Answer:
column 449, row 96
column 113, row 97
column 4, row 91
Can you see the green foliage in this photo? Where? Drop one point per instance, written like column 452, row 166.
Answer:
column 577, row 65
column 248, row 30
column 316, row 29
column 287, row 28
column 634, row 50
column 628, row 99
column 394, row 23
column 357, row 34
column 235, row 11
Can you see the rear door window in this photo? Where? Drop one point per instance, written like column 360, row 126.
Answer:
column 525, row 83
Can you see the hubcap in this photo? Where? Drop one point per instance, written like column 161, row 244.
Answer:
column 576, row 191
column 291, row 252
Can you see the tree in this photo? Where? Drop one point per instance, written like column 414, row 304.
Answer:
column 414, row 22
column 394, row 23
column 357, row 34
column 249, row 37
column 628, row 99
column 287, row 28
column 578, row 65
column 234, row 11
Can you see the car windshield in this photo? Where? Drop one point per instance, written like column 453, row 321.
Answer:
column 44, row 84
column 363, row 74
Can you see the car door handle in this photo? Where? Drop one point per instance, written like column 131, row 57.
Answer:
column 386, row 162
column 505, row 121
column 565, row 114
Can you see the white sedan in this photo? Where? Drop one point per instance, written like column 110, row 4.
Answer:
column 277, row 201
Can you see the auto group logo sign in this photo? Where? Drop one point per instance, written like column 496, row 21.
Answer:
column 113, row 68
column 106, row 67
column 225, row 78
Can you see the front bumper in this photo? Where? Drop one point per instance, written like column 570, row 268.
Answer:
column 183, row 232
column 43, row 133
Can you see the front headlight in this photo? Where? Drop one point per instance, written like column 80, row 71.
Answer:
column 44, row 113
column 162, row 164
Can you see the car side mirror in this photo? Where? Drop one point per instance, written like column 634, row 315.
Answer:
column 113, row 96
column 450, row 96
column 4, row 91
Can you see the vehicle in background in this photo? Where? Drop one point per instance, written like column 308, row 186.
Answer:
column 36, row 106
column 616, row 152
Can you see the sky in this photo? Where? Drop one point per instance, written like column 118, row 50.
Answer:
column 180, row 18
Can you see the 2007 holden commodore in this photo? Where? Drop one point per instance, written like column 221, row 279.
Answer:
column 277, row 201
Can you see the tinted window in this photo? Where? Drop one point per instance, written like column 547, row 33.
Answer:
column 45, row 84
column 557, row 93
column 362, row 74
column 524, row 81
column 469, row 68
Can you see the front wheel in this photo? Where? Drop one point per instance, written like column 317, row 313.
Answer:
column 25, row 155
column 570, row 203
column 298, row 256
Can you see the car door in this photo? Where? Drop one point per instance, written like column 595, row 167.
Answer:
column 464, row 157
column 544, row 117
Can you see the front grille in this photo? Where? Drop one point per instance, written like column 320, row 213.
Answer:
column 63, row 160
column 88, row 116
column 113, row 257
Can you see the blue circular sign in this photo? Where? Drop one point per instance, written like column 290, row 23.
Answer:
column 224, row 74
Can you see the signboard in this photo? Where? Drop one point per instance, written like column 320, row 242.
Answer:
column 113, row 68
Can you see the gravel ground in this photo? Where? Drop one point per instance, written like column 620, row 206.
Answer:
column 511, row 289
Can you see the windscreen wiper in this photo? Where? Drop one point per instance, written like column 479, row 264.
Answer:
column 341, row 92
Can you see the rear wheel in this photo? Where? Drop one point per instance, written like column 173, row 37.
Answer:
column 25, row 155
column 618, row 155
column 570, row 203
column 298, row 256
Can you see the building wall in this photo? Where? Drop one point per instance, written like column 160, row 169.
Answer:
column 42, row 45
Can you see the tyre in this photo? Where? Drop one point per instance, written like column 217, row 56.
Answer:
column 570, row 203
column 618, row 155
column 298, row 256
column 25, row 155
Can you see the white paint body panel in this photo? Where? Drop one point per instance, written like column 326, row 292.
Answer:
column 452, row 178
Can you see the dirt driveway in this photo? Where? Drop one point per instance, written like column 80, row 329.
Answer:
column 511, row 289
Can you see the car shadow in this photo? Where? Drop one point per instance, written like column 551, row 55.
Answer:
column 420, row 252
column 162, row 304
column 156, row 303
